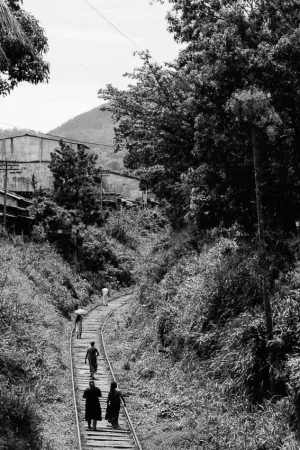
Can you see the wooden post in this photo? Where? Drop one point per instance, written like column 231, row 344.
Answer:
column 5, row 197
column 101, row 187
column 7, row 165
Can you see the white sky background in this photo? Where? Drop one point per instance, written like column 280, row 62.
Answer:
column 85, row 54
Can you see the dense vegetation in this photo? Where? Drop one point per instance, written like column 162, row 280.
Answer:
column 191, row 126
column 191, row 351
column 38, row 293
column 101, row 244
column 216, row 134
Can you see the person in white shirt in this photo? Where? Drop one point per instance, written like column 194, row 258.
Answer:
column 104, row 296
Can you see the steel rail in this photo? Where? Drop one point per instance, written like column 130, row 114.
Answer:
column 74, row 391
column 106, row 356
column 73, row 381
column 114, row 378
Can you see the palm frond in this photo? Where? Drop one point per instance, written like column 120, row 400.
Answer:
column 8, row 23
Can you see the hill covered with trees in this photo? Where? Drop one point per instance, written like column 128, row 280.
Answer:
column 91, row 126
column 94, row 126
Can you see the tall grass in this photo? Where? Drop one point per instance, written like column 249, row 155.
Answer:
column 37, row 290
column 197, row 326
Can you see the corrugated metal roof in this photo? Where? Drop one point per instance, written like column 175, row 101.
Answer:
column 17, row 197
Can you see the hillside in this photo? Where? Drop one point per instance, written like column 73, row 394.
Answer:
column 94, row 126
column 91, row 126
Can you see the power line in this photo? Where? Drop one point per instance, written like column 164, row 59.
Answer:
column 92, row 72
column 130, row 40
column 6, row 123
column 114, row 26
column 79, row 140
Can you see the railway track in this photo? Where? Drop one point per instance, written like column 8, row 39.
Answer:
column 105, row 438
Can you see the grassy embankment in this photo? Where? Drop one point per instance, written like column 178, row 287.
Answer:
column 190, row 352
column 38, row 292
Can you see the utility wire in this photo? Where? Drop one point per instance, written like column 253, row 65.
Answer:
column 6, row 123
column 114, row 26
column 92, row 73
column 79, row 140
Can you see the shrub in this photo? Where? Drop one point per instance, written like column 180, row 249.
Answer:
column 38, row 233
column 95, row 249
column 119, row 226
column 36, row 286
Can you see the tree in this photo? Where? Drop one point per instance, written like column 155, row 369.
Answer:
column 176, row 127
column 233, row 46
column 51, row 217
column 22, row 46
column 253, row 106
column 154, row 123
column 77, row 182
column 8, row 23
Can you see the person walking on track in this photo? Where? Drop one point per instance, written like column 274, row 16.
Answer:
column 92, row 405
column 104, row 296
column 78, row 325
column 91, row 355
column 78, row 321
column 113, row 405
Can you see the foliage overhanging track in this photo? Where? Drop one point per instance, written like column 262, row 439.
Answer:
column 93, row 328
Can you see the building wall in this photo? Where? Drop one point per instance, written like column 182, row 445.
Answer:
column 126, row 186
column 33, row 155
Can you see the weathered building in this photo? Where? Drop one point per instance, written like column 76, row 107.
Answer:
column 126, row 185
column 33, row 153
column 17, row 214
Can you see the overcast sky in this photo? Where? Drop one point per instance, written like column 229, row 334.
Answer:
column 86, row 53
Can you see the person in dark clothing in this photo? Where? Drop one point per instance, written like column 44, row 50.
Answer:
column 91, row 355
column 92, row 405
column 114, row 404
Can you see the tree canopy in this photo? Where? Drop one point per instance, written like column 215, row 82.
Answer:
column 186, row 127
column 22, row 47
column 77, row 182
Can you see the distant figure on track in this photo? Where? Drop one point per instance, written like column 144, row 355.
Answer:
column 91, row 355
column 104, row 296
column 114, row 404
column 92, row 405
column 78, row 325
